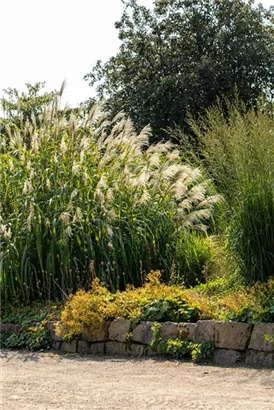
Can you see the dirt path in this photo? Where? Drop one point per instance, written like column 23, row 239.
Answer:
column 50, row 381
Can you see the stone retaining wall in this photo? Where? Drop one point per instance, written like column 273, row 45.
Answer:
column 234, row 342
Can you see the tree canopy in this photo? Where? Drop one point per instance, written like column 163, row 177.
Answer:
column 20, row 108
column 177, row 58
column 25, row 104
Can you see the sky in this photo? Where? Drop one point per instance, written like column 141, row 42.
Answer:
column 54, row 40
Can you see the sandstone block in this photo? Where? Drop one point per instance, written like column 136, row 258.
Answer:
column 83, row 347
column 227, row 357
column 56, row 345
column 136, row 349
column 97, row 348
column 170, row 330
column 143, row 333
column 113, row 348
column 184, row 331
column 118, row 330
column 69, row 347
column 151, row 353
column 96, row 335
column 260, row 359
column 204, row 331
column 257, row 341
column 232, row 335
column 187, row 331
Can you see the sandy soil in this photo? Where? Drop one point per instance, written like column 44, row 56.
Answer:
column 51, row 381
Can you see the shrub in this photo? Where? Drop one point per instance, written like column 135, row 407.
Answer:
column 153, row 301
column 253, row 304
column 85, row 310
column 156, row 301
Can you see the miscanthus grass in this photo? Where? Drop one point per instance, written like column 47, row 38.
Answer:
column 85, row 196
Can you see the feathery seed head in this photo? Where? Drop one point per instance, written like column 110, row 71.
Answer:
column 75, row 168
column 28, row 188
column 30, row 217
column 11, row 166
column 5, row 231
column 35, row 142
column 48, row 184
column 65, row 217
column 63, row 146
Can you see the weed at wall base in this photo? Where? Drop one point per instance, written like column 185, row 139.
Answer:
column 199, row 352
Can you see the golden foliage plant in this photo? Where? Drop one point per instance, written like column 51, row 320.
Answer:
column 85, row 310
column 90, row 310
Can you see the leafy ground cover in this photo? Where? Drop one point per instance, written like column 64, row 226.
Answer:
column 198, row 352
column 32, row 319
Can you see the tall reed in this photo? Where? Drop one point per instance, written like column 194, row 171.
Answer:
column 84, row 196
column 238, row 148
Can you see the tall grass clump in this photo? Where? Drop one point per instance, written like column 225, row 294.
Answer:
column 238, row 148
column 85, row 196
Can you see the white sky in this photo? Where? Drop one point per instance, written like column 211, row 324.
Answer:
column 53, row 40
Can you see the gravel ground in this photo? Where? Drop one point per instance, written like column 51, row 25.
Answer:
column 71, row 382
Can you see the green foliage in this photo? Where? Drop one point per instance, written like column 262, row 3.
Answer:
column 33, row 320
column 87, row 196
column 220, row 286
column 174, row 348
column 269, row 338
column 193, row 254
column 202, row 352
column 3, row 338
column 21, row 107
column 33, row 338
column 179, row 349
column 175, row 310
column 239, row 156
column 177, row 58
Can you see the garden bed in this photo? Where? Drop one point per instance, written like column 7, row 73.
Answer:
column 209, row 323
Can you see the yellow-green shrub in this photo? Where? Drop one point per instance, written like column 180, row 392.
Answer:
column 85, row 310
column 92, row 309
column 160, row 302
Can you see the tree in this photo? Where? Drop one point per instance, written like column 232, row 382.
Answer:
column 23, row 108
column 17, row 104
column 179, row 57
